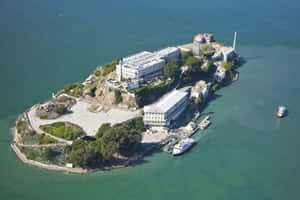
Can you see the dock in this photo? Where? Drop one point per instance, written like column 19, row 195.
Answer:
column 168, row 144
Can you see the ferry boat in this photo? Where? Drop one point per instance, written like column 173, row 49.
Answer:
column 183, row 145
column 281, row 111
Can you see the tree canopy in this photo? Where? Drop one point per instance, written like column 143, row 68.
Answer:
column 172, row 68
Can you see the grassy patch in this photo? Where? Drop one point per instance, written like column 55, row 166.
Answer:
column 64, row 130
column 74, row 89
column 107, row 68
column 44, row 139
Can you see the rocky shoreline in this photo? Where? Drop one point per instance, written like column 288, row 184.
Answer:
column 78, row 110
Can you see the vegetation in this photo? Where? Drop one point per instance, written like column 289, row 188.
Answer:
column 194, row 64
column 32, row 155
column 118, row 97
column 74, row 89
column 149, row 94
column 97, row 73
column 110, row 141
column 61, row 109
column 104, row 127
column 172, row 69
column 199, row 100
column 185, row 56
column 110, row 67
column 215, row 87
column 122, row 138
column 92, row 91
column 45, row 139
column 63, row 130
column 85, row 154
column 21, row 126
column 100, row 93
column 29, row 153
column 207, row 67
column 228, row 65
column 208, row 51
column 49, row 154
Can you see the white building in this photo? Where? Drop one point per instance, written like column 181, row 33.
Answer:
column 200, row 89
column 168, row 53
column 163, row 113
column 145, row 64
column 220, row 73
column 227, row 53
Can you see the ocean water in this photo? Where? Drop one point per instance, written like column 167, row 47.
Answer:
column 246, row 154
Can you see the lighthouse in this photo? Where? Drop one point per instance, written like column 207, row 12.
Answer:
column 234, row 41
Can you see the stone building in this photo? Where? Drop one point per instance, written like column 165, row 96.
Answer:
column 200, row 89
column 200, row 41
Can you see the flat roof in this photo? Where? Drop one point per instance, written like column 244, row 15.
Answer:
column 146, row 59
column 166, row 51
column 166, row 103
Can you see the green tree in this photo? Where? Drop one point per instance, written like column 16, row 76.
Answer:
column 118, row 97
column 228, row 65
column 104, row 127
column 186, row 55
column 172, row 69
column 86, row 157
column 194, row 63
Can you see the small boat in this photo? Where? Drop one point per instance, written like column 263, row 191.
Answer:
column 183, row 145
column 282, row 110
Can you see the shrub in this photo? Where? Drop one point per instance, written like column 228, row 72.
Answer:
column 61, row 109
column 107, row 68
column 104, row 127
column 228, row 65
column 92, row 91
column 67, row 88
column 100, row 93
column 172, row 69
column 45, row 139
column 215, row 87
column 49, row 154
column 97, row 73
column 66, row 131
column 33, row 155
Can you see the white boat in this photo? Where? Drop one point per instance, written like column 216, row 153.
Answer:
column 281, row 111
column 183, row 145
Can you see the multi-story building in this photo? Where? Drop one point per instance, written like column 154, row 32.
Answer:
column 163, row 113
column 145, row 64
column 220, row 72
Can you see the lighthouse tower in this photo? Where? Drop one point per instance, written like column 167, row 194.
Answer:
column 234, row 41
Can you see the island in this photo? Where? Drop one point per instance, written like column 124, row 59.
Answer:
column 126, row 109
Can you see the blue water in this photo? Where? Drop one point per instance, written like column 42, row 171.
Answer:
column 246, row 154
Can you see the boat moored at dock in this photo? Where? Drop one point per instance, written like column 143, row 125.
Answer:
column 183, row 145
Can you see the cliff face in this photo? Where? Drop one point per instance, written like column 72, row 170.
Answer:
column 97, row 91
